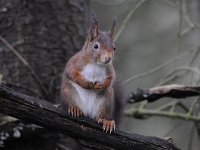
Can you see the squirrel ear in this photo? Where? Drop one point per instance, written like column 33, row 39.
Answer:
column 112, row 30
column 94, row 27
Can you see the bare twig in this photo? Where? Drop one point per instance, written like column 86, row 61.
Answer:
column 23, row 60
column 168, row 105
column 180, row 26
column 191, row 137
column 170, row 3
column 192, row 105
column 145, row 113
column 173, row 103
column 185, row 15
column 194, row 57
column 161, row 66
column 172, row 73
column 178, row 124
column 170, row 79
column 139, row 3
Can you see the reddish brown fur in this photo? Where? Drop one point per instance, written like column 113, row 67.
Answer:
column 104, row 89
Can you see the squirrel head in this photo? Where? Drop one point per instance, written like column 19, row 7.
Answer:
column 99, row 44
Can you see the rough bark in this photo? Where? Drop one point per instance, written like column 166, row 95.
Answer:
column 155, row 93
column 46, row 33
column 47, row 115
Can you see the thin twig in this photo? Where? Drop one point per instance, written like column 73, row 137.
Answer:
column 194, row 57
column 180, row 6
column 191, row 137
column 139, row 3
column 180, row 26
column 167, row 105
column 192, row 105
column 173, row 103
column 195, row 70
column 170, row 3
column 160, row 66
column 33, row 73
column 178, row 124
column 185, row 14
column 170, row 79
column 173, row 107
column 145, row 113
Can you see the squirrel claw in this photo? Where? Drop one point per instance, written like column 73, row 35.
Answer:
column 98, row 85
column 75, row 111
column 108, row 125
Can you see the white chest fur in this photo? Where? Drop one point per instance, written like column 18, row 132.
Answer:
column 87, row 100
column 94, row 72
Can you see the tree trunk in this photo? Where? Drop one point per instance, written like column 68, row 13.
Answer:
column 46, row 33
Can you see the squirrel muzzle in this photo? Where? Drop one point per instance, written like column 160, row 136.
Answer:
column 106, row 58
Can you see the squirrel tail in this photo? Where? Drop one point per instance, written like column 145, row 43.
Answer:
column 119, row 102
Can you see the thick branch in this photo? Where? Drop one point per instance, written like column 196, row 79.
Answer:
column 155, row 93
column 47, row 115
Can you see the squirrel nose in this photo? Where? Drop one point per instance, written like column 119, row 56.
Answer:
column 107, row 60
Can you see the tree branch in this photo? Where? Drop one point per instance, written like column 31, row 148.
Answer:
column 155, row 93
column 47, row 115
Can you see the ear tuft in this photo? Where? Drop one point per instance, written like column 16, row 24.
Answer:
column 112, row 30
column 94, row 27
column 92, row 16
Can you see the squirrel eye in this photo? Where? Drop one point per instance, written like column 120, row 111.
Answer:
column 96, row 45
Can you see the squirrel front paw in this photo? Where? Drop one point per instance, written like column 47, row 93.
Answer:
column 88, row 85
column 93, row 85
column 108, row 125
column 98, row 85
column 75, row 111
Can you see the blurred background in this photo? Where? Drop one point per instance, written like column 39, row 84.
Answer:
column 157, row 43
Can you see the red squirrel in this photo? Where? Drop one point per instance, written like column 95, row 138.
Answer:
column 88, row 87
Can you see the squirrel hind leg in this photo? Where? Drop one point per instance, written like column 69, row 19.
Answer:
column 68, row 102
column 75, row 111
column 108, row 125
